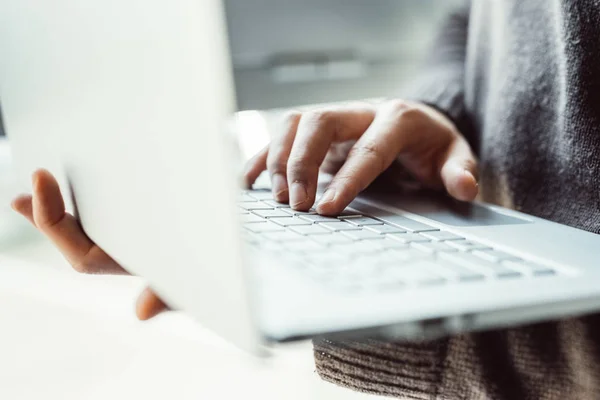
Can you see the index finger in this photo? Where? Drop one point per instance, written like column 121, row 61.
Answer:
column 317, row 130
column 372, row 154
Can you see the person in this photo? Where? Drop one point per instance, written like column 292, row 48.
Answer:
column 515, row 82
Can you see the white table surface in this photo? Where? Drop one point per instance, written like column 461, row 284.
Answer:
column 69, row 336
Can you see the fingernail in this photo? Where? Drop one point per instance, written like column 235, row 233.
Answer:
column 279, row 187
column 470, row 175
column 471, row 192
column 327, row 197
column 298, row 194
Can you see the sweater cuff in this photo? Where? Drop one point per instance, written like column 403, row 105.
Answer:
column 437, row 90
column 382, row 368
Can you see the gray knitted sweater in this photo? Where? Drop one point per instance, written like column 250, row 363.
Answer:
column 521, row 79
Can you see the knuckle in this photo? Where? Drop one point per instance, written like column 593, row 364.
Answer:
column 298, row 166
column 346, row 181
column 85, row 264
column 83, row 267
column 403, row 110
column 372, row 151
column 277, row 166
column 297, row 160
column 398, row 105
column 319, row 117
column 301, row 157
column 291, row 117
column 46, row 223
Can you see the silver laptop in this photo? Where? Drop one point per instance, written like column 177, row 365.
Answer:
column 125, row 101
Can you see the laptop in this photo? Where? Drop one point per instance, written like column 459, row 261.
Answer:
column 125, row 101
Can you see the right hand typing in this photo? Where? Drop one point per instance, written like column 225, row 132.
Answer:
column 45, row 209
column 357, row 144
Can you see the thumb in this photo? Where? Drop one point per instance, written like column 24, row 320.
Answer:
column 459, row 171
column 149, row 305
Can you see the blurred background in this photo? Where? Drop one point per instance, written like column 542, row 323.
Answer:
column 289, row 52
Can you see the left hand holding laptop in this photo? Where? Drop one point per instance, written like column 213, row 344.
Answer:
column 45, row 209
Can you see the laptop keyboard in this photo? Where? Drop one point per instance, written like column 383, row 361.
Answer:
column 359, row 251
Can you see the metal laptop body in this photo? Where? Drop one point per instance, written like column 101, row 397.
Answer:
column 125, row 101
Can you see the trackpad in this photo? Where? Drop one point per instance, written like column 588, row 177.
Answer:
column 445, row 210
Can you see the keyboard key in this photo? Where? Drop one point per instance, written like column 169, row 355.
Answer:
column 388, row 244
column 271, row 246
column 385, row 229
column 283, row 236
column 532, row 268
column 362, row 221
column 289, row 221
column 271, row 214
column 479, row 264
column 363, row 234
column 256, row 205
column 467, row 245
column 275, row 204
column 304, row 246
column 250, row 237
column 432, row 247
column 329, row 240
column 351, row 287
column 441, row 236
column 408, row 224
column 311, row 230
column 461, row 273
column 264, row 227
column 495, row 255
column 347, row 213
column 504, row 272
column 245, row 198
column 358, row 270
column 408, row 237
column 381, row 284
column 251, row 218
column 260, row 194
column 398, row 256
column 339, row 226
column 353, row 248
column 318, row 218
column 294, row 212
column 418, row 272
column 381, row 259
column 328, row 260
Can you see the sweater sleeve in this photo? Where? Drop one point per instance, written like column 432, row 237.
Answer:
column 440, row 82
